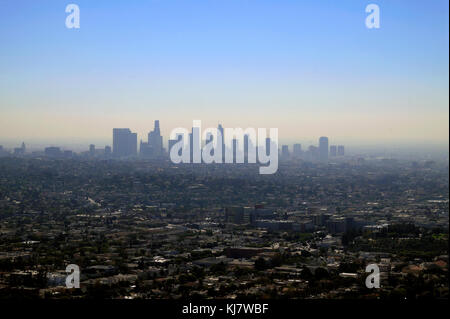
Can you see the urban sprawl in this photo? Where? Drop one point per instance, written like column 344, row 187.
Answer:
column 140, row 226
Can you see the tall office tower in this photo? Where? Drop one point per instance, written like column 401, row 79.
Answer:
column 235, row 150
column 313, row 153
column 247, row 145
column 340, row 150
column 297, row 151
column 323, row 149
column 333, row 150
column 92, row 150
column 246, row 139
column 155, row 141
column 238, row 149
column 285, row 151
column 221, row 132
column 268, row 145
column 124, row 142
column 191, row 146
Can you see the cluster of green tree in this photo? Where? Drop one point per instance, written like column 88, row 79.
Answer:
column 426, row 247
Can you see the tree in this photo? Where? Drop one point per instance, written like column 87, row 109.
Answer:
column 260, row 264
column 321, row 273
column 306, row 274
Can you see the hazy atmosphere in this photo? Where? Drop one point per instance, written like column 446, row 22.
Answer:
column 224, row 158
column 308, row 68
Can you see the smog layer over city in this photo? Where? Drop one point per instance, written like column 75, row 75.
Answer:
column 224, row 158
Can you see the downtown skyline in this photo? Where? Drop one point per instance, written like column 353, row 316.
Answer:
column 306, row 149
column 125, row 143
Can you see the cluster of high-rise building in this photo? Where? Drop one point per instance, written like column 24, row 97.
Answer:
column 125, row 145
column 322, row 153
column 235, row 150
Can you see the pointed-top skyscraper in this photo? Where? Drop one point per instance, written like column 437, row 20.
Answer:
column 155, row 141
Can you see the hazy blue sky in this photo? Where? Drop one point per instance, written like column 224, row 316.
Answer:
column 310, row 68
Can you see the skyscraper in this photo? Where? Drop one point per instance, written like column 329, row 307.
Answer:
column 323, row 149
column 235, row 150
column 220, row 131
column 247, row 145
column 268, row 145
column 155, row 141
column 297, row 151
column 124, row 142
column 340, row 150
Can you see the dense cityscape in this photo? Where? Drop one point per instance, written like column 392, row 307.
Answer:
column 139, row 226
column 125, row 146
column 224, row 158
